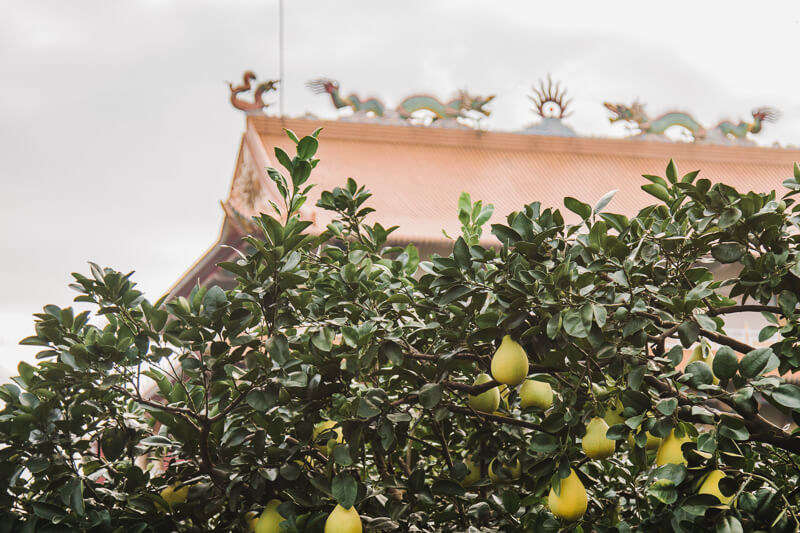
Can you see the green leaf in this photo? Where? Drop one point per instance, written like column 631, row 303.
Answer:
column 156, row 440
column 28, row 400
column 574, row 325
column 600, row 314
column 667, row 406
column 48, row 511
column 307, row 147
column 283, row 158
column 461, row 254
column 690, row 176
column 672, row 172
column 787, row 395
column 367, row 409
column 554, row 326
column 729, row 524
column 430, row 395
column 656, row 179
column 754, row 362
column 350, row 336
column 291, row 135
column 634, row 325
column 341, row 455
column 602, row 202
column 345, row 490
column 707, row 442
column 112, row 443
column 618, row 432
column 787, row 301
column 38, row 464
column 75, row 490
column 464, row 203
column 505, row 234
column 729, row 217
column 699, row 373
column 447, row 487
column 766, row 333
column 675, row 473
column 260, row 400
column 323, row 339
column 576, row 206
column 511, row 501
column 725, row 363
column 732, row 428
column 698, row 504
column 688, row 333
column 393, row 352
column 657, row 190
column 728, row 252
column 454, row 293
column 664, row 491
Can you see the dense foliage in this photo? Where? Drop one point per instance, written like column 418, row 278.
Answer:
column 221, row 392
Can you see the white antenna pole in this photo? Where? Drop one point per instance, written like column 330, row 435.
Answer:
column 280, row 59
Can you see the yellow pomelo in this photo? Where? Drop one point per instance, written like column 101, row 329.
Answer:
column 595, row 444
column 510, row 362
column 251, row 519
column 702, row 352
column 270, row 519
column 323, row 427
column 711, row 486
column 652, row 443
column 613, row 414
column 487, row 401
column 173, row 494
column 343, row 520
column 572, row 502
column 513, row 472
column 535, row 393
column 473, row 472
column 669, row 452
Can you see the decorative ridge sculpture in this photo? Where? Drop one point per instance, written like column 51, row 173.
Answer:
column 459, row 107
column 257, row 106
column 724, row 132
column 550, row 103
column 553, row 94
column 325, row 85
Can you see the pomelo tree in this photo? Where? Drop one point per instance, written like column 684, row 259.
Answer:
column 339, row 371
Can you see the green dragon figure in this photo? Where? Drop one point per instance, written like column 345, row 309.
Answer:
column 724, row 130
column 324, row 85
column 455, row 108
column 740, row 130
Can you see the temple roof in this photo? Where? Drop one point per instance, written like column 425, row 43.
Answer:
column 416, row 174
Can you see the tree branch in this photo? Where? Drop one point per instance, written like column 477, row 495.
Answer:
column 761, row 429
column 495, row 418
column 714, row 311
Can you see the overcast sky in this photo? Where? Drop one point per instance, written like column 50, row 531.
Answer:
column 117, row 141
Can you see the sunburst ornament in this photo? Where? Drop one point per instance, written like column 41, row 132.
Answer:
column 549, row 99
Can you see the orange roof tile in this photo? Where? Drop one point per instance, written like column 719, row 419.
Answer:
column 416, row 173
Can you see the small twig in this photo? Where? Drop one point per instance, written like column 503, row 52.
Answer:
column 496, row 418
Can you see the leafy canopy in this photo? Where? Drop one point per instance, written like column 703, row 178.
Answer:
column 221, row 392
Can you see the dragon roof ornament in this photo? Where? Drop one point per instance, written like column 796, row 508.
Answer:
column 725, row 132
column 257, row 106
column 463, row 106
column 369, row 106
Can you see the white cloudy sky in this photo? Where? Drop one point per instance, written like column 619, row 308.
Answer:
column 117, row 141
